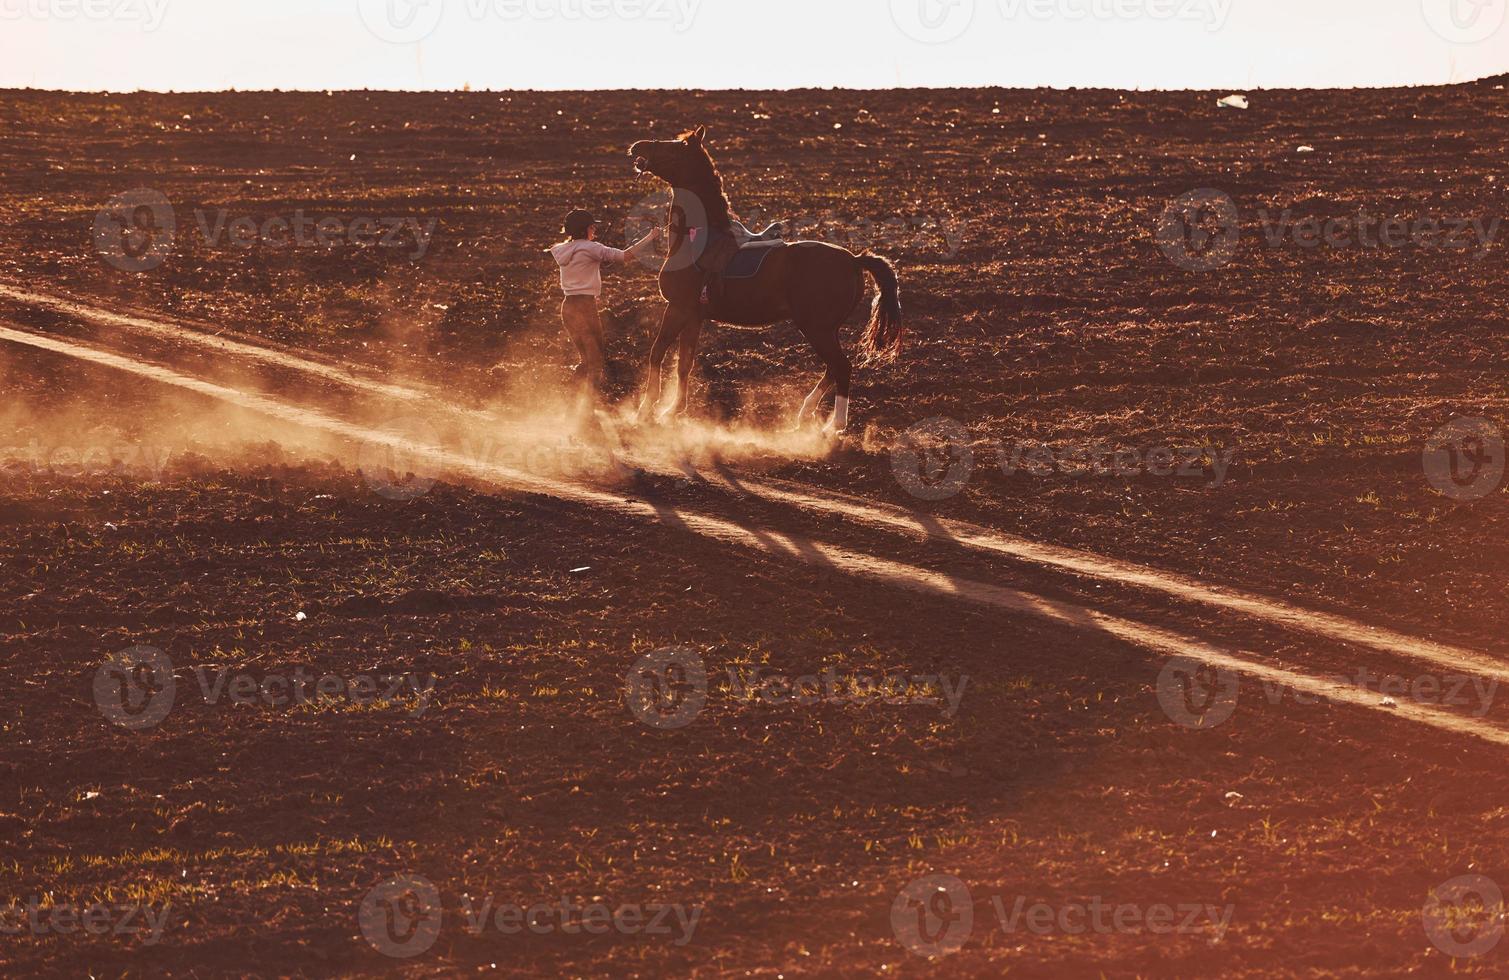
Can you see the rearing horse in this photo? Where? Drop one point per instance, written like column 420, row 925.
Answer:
column 814, row 284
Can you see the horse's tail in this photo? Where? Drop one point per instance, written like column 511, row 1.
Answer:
column 881, row 340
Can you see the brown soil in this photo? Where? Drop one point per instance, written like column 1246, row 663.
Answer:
column 792, row 827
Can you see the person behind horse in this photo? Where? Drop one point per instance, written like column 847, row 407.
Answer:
column 581, row 258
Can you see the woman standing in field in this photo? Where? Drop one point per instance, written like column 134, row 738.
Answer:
column 581, row 258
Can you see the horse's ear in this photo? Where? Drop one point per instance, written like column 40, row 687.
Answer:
column 700, row 134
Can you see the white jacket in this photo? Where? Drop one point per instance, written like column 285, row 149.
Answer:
column 581, row 265
column 581, row 262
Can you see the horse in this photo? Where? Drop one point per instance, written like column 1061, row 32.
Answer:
column 816, row 285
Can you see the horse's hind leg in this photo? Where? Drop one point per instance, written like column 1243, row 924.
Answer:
column 825, row 341
column 809, row 406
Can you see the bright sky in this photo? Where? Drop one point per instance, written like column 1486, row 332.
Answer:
column 124, row 45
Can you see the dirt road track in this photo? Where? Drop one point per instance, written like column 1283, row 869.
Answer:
column 935, row 530
column 786, row 546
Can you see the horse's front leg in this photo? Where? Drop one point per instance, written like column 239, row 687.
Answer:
column 686, row 360
column 671, row 324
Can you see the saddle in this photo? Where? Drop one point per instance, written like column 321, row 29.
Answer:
column 736, row 254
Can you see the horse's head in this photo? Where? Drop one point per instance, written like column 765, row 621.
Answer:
column 681, row 162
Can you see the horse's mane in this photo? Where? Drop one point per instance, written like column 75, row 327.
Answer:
column 719, row 213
